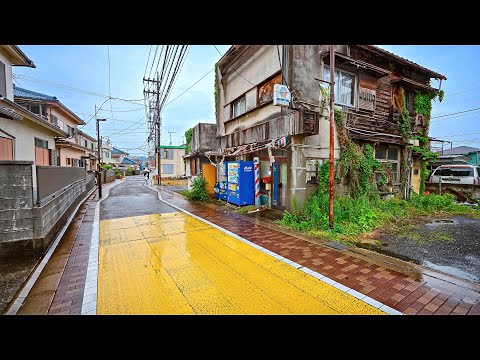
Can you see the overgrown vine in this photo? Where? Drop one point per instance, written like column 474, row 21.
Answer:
column 216, row 90
column 404, row 121
column 423, row 106
column 188, row 139
column 356, row 166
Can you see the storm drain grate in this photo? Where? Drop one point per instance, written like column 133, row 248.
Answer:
column 337, row 245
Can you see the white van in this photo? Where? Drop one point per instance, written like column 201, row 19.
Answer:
column 456, row 174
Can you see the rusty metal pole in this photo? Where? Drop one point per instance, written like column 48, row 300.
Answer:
column 332, row 139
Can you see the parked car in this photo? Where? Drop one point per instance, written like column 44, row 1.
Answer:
column 456, row 174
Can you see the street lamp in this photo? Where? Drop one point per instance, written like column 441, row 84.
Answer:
column 99, row 146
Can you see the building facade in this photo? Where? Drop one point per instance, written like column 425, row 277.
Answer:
column 24, row 135
column 291, row 141
column 172, row 163
column 75, row 149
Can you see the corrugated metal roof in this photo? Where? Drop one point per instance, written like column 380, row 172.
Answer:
column 118, row 151
column 459, row 150
column 29, row 94
column 173, row 147
column 386, row 52
column 129, row 161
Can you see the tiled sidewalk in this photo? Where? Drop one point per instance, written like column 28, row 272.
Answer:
column 59, row 288
column 397, row 290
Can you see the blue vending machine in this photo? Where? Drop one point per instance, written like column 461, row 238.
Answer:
column 222, row 181
column 240, row 182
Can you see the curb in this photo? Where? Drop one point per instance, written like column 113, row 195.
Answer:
column 89, row 302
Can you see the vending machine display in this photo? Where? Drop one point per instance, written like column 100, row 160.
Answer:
column 222, row 181
column 240, row 188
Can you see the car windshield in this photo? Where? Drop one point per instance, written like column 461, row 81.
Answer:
column 454, row 171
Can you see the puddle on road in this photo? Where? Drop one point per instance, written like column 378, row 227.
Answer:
column 440, row 222
column 452, row 271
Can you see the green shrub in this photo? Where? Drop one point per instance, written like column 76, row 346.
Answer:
column 107, row 167
column 199, row 191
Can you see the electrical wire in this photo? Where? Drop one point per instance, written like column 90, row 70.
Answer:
column 109, row 83
column 281, row 68
column 455, row 113
column 153, row 61
column 148, row 59
column 235, row 69
column 195, row 83
column 28, row 78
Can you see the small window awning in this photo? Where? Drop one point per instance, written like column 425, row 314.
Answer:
column 9, row 114
column 414, row 84
column 340, row 58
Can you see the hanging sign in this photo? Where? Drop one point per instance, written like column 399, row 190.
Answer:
column 281, row 95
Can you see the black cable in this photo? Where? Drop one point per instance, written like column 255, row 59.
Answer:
column 235, row 69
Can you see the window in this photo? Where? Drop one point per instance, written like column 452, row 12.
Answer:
column 85, row 143
column 239, row 107
column 344, row 86
column 409, row 101
column 312, row 170
column 71, row 130
column 54, row 119
column 265, row 91
column 68, row 161
column 35, row 109
column 42, row 155
column 167, row 168
column 6, row 148
column 166, row 154
column 3, row 80
column 390, row 154
column 454, row 171
column 91, row 145
column 44, row 111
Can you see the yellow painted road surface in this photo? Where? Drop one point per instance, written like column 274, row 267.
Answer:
column 175, row 264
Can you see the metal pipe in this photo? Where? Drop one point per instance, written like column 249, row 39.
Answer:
column 331, row 157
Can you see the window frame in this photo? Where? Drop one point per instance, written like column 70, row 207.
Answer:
column 337, row 84
column 396, row 179
column 168, row 173
column 269, row 81
column 238, row 100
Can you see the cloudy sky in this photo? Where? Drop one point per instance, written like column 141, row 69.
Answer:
column 86, row 68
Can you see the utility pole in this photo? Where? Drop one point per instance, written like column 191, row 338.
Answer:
column 157, row 121
column 170, row 133
column 99, row 149
column 332, row 139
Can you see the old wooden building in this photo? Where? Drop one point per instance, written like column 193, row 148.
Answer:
column 372, row 89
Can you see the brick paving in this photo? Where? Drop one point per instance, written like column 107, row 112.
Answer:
column 59, row 288
column 69, row 295
column 404, row 293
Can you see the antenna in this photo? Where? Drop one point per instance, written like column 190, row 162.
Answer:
column 170, row 133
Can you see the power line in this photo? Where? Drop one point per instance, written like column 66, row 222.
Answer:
column 109, row 82
column 455, row 113
column 180, row 70
column 458, row 135
column 138, row 109
column 281, row 68
column 234, row 69
column 153, row 61
column 195, row 83
column 95, row 113
column 146, row 66
column 28, row 78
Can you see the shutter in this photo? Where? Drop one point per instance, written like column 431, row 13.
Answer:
column 366, row 99
column 3, row 80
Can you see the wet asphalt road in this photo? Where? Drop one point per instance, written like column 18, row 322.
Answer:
column 452, row 247
column 132, row 198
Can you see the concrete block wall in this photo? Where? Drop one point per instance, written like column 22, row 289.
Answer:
column 16, row 189
column 24, row 227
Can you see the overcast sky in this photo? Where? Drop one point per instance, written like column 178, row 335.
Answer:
column 86, row 68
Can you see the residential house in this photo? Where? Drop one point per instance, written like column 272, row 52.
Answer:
column 204, row 138
column 25, row 133
column 171, row 159
column 90, row 144
column 70, row 150
column 106, row 156
column 118, row 155
column 290, row 141
column 129, row 163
